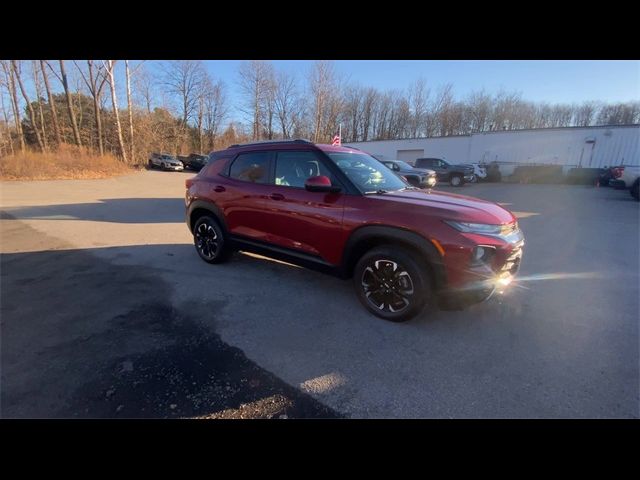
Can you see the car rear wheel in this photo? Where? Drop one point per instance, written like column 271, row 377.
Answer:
column 209, row 240
column 456, row 180
column 392, row 284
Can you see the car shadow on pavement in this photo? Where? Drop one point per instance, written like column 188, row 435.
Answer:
column 86, row 337
column 117, row 210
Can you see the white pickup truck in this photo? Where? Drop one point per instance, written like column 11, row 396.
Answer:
column 626, row 177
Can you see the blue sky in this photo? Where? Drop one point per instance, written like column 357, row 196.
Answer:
column 537, row 80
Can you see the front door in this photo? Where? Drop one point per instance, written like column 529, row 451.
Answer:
column 299, row 220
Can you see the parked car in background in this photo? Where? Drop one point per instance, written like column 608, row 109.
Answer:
column 479, row 172
column 194, row 161
column 165, row 162
column 623, row 176
column 456, row 175
column 418, row 177
column 337, row 209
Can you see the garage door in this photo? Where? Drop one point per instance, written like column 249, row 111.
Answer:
column 409, row 156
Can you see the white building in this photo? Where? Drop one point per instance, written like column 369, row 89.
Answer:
column 568, row 146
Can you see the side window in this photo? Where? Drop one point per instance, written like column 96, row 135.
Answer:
column 251, row 167
column 389, row 165
column 293, row 168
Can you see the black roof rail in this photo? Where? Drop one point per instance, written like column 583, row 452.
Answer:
column 269, row 142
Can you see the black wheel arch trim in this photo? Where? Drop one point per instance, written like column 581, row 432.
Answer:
column 382, row 233
column 212, row 208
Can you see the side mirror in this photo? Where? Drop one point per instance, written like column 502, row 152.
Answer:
column 321, row 183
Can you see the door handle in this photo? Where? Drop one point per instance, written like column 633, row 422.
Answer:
column 276, row 196
column 219, row 188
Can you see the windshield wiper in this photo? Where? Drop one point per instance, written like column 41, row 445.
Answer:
column 379, row 192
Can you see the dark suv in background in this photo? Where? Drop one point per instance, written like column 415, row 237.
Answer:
column 418, row 177
column 456, row 175
column 339, row 210
column 193, row 161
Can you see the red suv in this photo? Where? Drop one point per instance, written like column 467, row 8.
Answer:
column 339, row 210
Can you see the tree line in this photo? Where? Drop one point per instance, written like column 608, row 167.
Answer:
column 182, row 108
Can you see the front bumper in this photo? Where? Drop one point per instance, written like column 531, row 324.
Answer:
column 617, row 183
column 476, row 283
column 469, row 178
column 174, row 167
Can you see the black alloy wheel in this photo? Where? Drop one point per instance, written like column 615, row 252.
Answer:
column 209, row 240
column 391, row 283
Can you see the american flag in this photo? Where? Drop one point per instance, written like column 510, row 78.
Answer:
column 337, row 141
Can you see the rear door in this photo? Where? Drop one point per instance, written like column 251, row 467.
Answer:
column 242, row 194
column 299, row 220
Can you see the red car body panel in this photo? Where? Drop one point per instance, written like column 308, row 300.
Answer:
column 320, row 224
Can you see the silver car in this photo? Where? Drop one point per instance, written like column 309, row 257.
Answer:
column 165, row 162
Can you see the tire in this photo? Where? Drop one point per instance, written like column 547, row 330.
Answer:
column 209, row 240
column 150, row 165
column 456, row 180
column 634, row 190
column 375, row 270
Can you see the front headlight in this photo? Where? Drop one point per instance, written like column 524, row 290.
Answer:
column 482, row 228
column 508, row 232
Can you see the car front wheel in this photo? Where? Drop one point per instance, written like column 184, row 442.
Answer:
column 209, row 240
column 392, row 284
column 456, row 181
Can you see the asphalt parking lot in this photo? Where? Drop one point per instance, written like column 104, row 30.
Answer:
column 107, row 311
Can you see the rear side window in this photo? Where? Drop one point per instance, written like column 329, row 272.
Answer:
column 251, row 167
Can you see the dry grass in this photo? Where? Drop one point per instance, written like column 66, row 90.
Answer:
column 68, row 162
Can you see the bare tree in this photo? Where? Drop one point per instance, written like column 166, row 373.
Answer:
column 323, row 88
column 418, row 99
column 255, row 82
column 72, row 116
column 6, row 118
column 479, row 105
column 8, row 71
column 285, row 102
column 36, row 82
column 32, row 113
column 52, row 104
column 95, row 82
column 215, row 109
column 184, row 79
column 129, row 109
column 109, row 68
column 144, row 84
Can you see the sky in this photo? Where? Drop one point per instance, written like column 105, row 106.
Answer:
column 553, row 81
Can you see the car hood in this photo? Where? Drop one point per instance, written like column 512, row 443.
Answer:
column 452, row 206
column 419, row 171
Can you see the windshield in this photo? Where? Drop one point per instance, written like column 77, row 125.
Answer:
column 367, row 173
column 404, row 165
